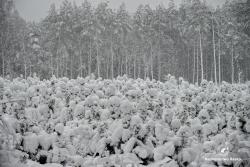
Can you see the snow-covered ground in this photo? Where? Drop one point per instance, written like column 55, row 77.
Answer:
column 123, row 122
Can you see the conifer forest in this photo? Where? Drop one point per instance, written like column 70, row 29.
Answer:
column 89, row 85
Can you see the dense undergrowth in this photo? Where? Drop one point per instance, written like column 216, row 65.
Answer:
column 90, row 122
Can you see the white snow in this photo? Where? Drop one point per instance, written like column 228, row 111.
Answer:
column 122, row 121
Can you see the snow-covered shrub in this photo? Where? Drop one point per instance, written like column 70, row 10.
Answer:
column 30, row 143
column 204, row 116
column 79, row 111
column 175, row 124
column 84, row 121
column 163, row 151
column 167, row 116
column 161, row 132
column 59, row 128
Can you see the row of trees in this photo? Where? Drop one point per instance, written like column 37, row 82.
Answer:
column 194, row 41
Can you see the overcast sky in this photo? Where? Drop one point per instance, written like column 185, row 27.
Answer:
column 34, row 10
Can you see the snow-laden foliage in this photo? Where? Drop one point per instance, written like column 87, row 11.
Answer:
column 91, row 122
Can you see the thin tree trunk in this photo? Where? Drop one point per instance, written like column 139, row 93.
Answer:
column 134, row 66
column 121, row 66
column 98, row 61
column 215, row 68
column 152, row 61
column 51, row 65
column 194, row 63
column 211, row 72
column 57, row 66
column 66, row 66
column 206, row 69
column 90, row 59
column 25, row 62
column 139, row 66
column 30, row 70
column 81, row 65
column 61, row 67
column 1, row 51
column 57, row 56
column 188, row 66
column 197, row 65
column 71, row 67
column 239, row 76
column 219, row 62
column 107, row 68
column 139, row 63
column 129, row 67
column 145, row 67
column 232, row 64
column 3, row 64
column 112, row 59
column 159, row 64
column 222, row 73
column 8, row 69
column 201, row 54
column 25, row 69
column 126, row 64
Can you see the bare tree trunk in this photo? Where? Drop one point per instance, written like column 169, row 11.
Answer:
column 90, row 59
column 98, row 61
column 139, row 68
column 81, row 65
column 134, row 66
column 126, row 64
column 107, row 68
column 206, row 69
column 25, row 69
column 240, row 77
column 8, row 69
column 159, row 64
column 25, row 61
column 57, row 66
column 71, row 67
column 211, row 72
column 152, row 61
column 117, row 67
column 219, row 62
column 30, row 69
column 1, row 51
column 145, row 67
column 222, row 73
column 129, row 67
column 66, row 66
column 121, row 66
column 197, row 65
column 3, row 64
column 188, row 72
column 112, row 60
column 194, row 63
column 215, row 68
column 139, row 63
column 201, row 54
column 232, row 63
column 51, row 65
column 61, row 67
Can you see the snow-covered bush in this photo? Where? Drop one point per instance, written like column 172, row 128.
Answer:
column 86, row 121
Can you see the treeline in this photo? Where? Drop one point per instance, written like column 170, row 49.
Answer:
column 193, row 40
